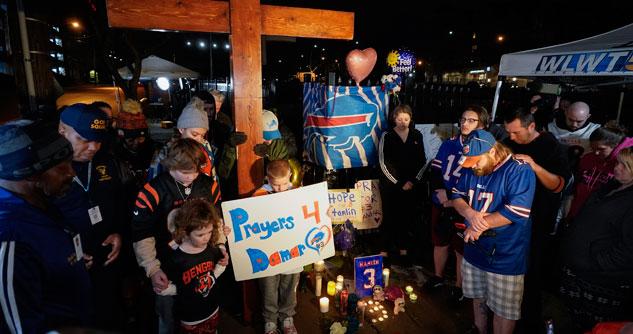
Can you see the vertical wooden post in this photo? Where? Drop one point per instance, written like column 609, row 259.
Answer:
column 246, row 72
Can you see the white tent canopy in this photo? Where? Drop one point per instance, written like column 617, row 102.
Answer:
column 608, row 55
column 154, row 67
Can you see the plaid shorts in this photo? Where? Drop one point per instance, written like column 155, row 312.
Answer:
column 503, row 293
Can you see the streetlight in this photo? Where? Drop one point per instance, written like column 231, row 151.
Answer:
column 500, row 38
column 202, row 44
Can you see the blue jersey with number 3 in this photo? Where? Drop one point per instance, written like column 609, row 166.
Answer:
column 446, row 163
column 508, row 190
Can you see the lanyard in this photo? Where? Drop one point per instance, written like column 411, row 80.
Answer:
column 76, row 178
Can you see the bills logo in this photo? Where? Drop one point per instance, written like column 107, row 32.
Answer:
column 343, row 125
column 466, row 149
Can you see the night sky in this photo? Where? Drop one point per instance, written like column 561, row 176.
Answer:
column 421, row 26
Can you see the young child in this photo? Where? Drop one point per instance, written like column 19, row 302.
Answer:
column 279, row 292
column 195, row 265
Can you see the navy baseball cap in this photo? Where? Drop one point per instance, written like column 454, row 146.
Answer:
column 90, row 122
column 29, row 148
column 478, row 142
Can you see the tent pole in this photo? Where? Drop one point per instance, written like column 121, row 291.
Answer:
column 495, row 102
column 620, row 104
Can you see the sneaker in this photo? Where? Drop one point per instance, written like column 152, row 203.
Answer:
column 289, row 326
column 433, row 283
column 270, row 328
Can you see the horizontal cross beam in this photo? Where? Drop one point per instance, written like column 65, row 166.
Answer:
column 213, row 16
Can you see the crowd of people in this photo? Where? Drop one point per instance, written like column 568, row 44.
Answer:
column 94, row 215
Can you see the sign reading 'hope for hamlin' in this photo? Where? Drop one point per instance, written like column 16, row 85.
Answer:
column 280, row 232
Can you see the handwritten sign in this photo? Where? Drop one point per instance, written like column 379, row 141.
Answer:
column 280, row 232
column 371, row 204
column 345, row 205
column 367, row 274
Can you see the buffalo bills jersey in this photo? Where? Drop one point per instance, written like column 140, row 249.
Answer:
column 446, row 165
column 508, row 190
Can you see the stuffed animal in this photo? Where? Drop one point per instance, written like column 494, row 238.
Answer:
column 398, row 305
column 379, row 294
column 393, row 292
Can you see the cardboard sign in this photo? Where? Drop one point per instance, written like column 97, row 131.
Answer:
column 371, row 204
column 367, row 274
column 278, row 233
column 345, row 205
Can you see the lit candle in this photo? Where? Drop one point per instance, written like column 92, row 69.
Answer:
column 324, row 304
column 319, row 266
column 385, row 316
column 339, row 286
column 371, row 302
column 384, row 311
column 380, row 319
column 380, row 307
column 331, row 288
column 385, row 275
column 373, row 320
column 376, row 308
column 317, row 287
column 409, row 289
column 413, row 297
column 340, row 279
column 371, row 310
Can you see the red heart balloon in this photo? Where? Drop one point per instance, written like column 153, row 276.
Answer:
column 360, row 63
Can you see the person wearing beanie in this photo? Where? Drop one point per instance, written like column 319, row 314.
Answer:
column 44, row 277
column 92, row 206
column 193, row 124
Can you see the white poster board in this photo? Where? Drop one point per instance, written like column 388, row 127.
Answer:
column 280, row 232
column 433, row 135
column 371, row 204
column 346, row 205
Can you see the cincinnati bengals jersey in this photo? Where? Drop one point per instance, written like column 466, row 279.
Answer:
column 508, row 190
column 194, row 279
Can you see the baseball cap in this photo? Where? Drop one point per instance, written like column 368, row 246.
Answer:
column 90, row 122
column 478, row 143
column 270, row 125
column 29, row 148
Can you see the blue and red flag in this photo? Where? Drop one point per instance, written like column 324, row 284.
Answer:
column 342, row 125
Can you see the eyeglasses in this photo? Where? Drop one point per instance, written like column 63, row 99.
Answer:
column 468, row 120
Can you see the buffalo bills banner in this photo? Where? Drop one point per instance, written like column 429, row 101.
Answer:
column 342, row 125
column 280, row 232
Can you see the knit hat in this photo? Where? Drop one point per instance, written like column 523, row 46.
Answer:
column 193, row 115
column 131, row 122
column 478, row 143
column 89, row 122
column 270, row 125
column 30, row 148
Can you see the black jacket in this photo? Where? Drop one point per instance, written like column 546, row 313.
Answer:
column 401, row 161
column 598, row 245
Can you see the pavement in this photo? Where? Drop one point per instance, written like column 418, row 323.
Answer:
column 432, row 313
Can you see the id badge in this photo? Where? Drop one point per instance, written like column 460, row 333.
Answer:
column 95, row 215
column 79, row 252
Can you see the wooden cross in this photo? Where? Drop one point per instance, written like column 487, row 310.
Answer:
column 246, row 21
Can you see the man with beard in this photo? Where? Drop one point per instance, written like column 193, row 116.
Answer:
column 44, row 280
column 494, row 195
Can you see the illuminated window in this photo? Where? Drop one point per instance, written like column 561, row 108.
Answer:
column 61, row 70
column 58, row 41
